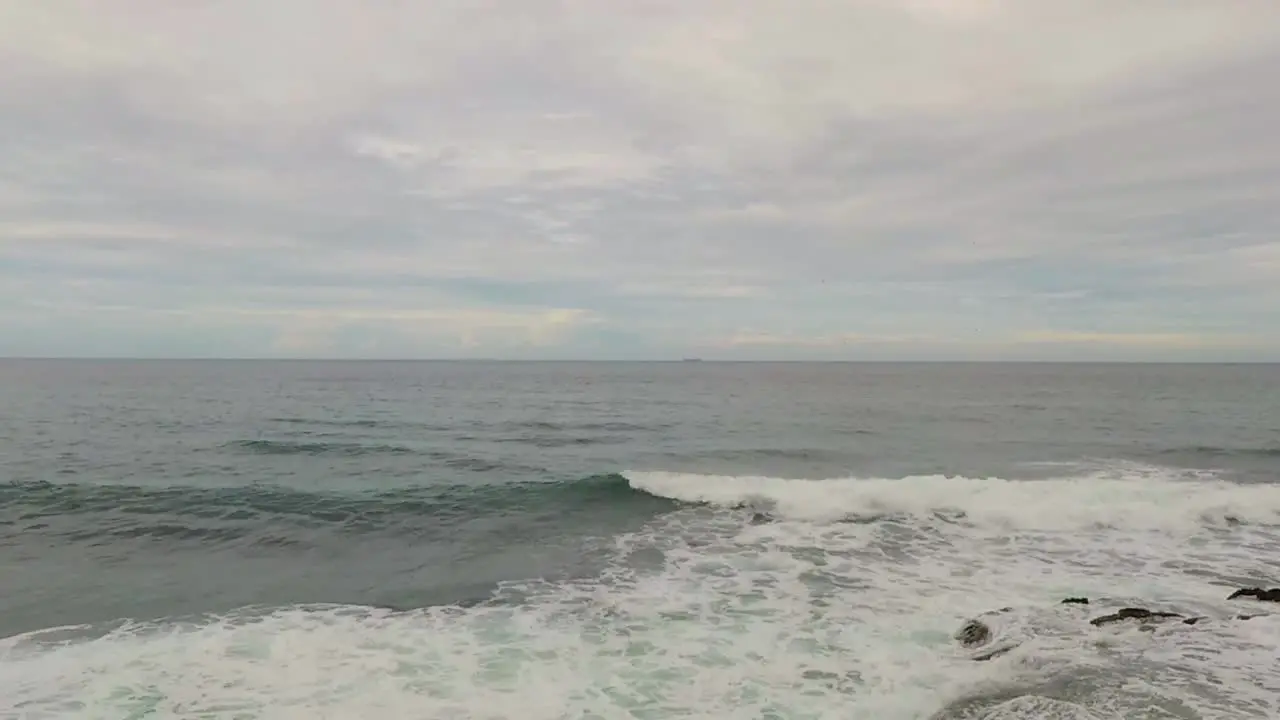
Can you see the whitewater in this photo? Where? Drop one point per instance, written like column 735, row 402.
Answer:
column 600, row 541
column 756, row 597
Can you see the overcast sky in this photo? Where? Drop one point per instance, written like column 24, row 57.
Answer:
column 861, row 179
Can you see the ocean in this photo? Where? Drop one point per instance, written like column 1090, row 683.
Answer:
column 548, row 541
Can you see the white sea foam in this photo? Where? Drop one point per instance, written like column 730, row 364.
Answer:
column 797, row 618
column 1027, row 707
column 1147, row 498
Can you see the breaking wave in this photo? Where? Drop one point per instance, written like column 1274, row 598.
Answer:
column 704, row 612
column 1143, row 497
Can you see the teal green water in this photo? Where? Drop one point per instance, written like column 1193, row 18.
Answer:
column 613, row 539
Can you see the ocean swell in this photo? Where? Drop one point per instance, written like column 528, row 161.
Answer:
column 86, row 512
column 1143, row 498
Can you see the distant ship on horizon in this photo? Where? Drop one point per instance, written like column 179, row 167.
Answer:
column 692, row 359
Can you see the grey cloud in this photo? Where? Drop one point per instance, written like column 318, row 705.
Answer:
column 677, row 173
column 1185, row 166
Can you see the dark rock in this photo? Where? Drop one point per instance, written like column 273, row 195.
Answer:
column 1141, row 614
column 760, row 519
column 1272, row 595
column 973, row 634
column 976, row 633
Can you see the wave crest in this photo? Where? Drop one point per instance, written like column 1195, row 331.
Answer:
column 1142, row 498
column 260, row 513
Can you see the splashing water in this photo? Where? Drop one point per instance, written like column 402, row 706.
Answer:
column 843, row 605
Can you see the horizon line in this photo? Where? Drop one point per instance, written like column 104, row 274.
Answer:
column 673, row 361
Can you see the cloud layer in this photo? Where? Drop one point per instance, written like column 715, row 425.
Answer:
column 870, row 179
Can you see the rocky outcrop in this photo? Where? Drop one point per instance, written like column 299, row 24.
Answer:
column 1142, row 615
column 1272, row 595
column 974, row 633
column 977, row 633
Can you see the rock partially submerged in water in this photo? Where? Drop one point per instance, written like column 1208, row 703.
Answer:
column 978, row 634
column 974, row 633
column 1143, row 616
column 1257, row 593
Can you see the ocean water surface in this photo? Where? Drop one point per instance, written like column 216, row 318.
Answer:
column 650, row 540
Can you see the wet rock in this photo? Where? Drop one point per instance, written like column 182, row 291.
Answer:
column 760, row 518
column 1272, row 595
column 1131, row 613
column 973, row 633
column 979, row 636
